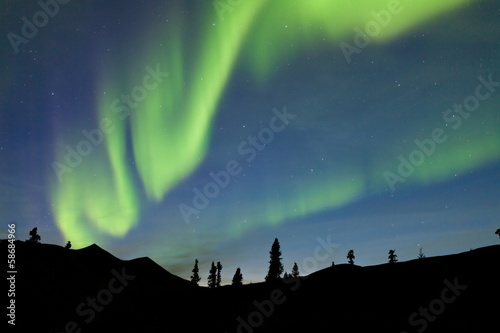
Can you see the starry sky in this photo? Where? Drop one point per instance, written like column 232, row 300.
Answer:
column 205, row 129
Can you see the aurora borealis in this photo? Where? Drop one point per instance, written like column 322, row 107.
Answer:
column 117, row 118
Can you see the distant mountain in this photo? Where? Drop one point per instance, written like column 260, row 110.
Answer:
column 90, row 290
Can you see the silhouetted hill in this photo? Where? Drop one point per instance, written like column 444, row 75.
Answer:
column 52, row 282
column 59, row 290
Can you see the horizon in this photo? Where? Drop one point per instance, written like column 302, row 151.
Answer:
column 226, row 281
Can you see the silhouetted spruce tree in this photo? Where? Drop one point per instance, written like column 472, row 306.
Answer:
column 286, row 275
column 195, row 278
column 219, row 269
column 34, row 236
column 497, row 233
column 68, row 245
column 237, row 278
column 421, row 254
column 212, row 278
column 295, row 270
column 392, row 256
column 275, row 265
column 351, row 257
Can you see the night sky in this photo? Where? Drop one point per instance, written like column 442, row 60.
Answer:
column 199, row 129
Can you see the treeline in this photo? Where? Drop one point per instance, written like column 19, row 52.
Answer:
column 275, row 268
column 273, row 274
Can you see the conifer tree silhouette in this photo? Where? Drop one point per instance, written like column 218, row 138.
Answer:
column 219, row 269
column 195, row 278
column 295, row 270
column 392, row 256
column 497, row 233
column 237, row 278
column 351, row 257
column 212, row 278
column 275, row 265
column 34, row 236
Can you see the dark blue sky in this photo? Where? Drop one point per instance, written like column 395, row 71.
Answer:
column 209, row 93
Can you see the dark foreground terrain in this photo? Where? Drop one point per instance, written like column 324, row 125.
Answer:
column 90, row 290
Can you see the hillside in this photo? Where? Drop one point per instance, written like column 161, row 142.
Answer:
column 90, row 290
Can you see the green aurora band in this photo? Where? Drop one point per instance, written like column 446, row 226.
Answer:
column 170, row 129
